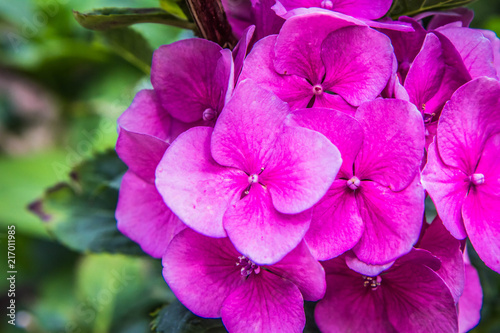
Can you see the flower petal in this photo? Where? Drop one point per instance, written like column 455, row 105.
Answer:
column 393, row 146
column 471, row 301
column 143, row 216
column 194, row 186
column 392, row 221
column 301, row 169
column 201, row 271
column 300, row 267
column 447, row 186
column 143, row 132
column 264, row 303
column 359, row 70
column 247, row 129
column 259, row 231
column 336, row 225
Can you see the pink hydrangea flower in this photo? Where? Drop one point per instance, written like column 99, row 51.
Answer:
column 212, row 279
column 462, row 174
column 251, row 177
column 375, row 205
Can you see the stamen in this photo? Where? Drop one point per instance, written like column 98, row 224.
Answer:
column 209, row 114
column 372, row 282
column 353, row 183
column 477, row 179
column 252, row 179
column 247, row 266
column 317, row 89
column 327, row 4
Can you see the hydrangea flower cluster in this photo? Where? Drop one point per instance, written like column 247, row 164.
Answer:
column 295, row 167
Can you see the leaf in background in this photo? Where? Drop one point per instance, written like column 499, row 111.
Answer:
column 130, row 45
column 81, row 214
column 108, row 18
column 413, row 7
column 176, row 318
column 173, row 7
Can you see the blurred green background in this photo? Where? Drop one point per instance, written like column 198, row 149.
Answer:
column 62, row 88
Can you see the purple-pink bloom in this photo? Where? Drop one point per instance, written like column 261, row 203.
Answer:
column 471, row 301
column 144, row 132
column 305, row 67
column 462, row 174
column 251, row 177
column 193, row 78
column 212, row 279
column 375, row 205
column 409, row 296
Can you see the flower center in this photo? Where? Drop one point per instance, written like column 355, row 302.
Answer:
column 477, row 179
column 209, row 114
column 247, row 266
column 327, row 4
column 252, row 179
column 317, row 89
column 353, row 183
column 372, row 282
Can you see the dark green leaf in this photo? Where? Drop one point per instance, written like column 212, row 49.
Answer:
column 131, row 45
column 175, row 318
column 173, row 7
column 81, row 214
column 108, row 18
column 413, row 7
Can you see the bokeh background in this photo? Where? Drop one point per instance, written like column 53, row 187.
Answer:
column 62, row 87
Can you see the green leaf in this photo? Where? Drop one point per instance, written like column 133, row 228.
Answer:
column 109, row 18
column 130, row 45
column 172, row 7
column 175, row 318
column 81, row 214
column 413, row 7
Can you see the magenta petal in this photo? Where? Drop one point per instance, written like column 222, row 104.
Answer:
column 300, row 171
column 342, row 130
column 201, row 271
column 417, row 300
column 335, row 102
column 194, row 186
column 476, row 50
column 300, row 267
column 469, row 306
column 348, row 306
column 184, row 77
column 336, row 225
column 259, row 231
column 359, row 70
column 298, row 49
column 365, row 269
column 468, row 120
column 259, row 67
column 447, row 186
column 143, row 132
column 264, row 303
column 248, row 127
column 443, row 245
column 392, row 221
column 394, row 142
column 241, row 50
column 143, row 216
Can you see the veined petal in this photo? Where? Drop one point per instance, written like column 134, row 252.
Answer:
column 336, row 224
column 201, row 271
column 183, row 75
column 241, row 50
column 143, row 216
column 194, row 186
column 468, row 120
column 259, row 231
column 143, row 131
column 259, row 67
column 392, row 221
column 247, row 129
column 471, row 301
column 447, row 186
column 393, row 146
column 359, row 70
column 265, row 303
column 302, row 167
column 342, row 130
column 300, row 267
